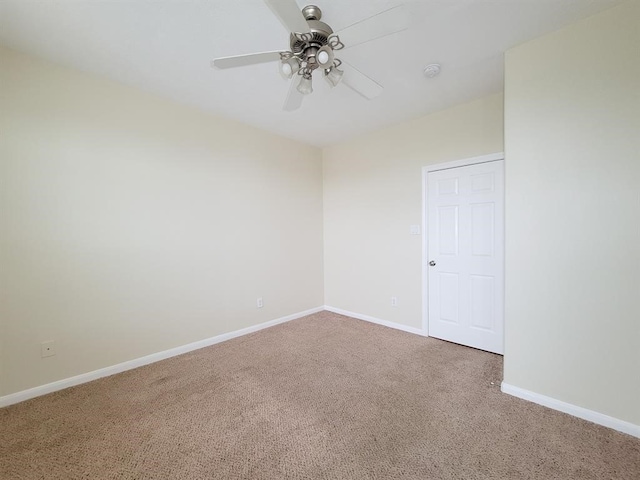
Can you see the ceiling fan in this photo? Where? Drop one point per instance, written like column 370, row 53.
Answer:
column 312, row 47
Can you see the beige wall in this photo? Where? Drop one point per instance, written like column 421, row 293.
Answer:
column 373, row 193
column 130, row 225
column 572, row 124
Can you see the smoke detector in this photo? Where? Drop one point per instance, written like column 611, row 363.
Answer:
column 432, row 70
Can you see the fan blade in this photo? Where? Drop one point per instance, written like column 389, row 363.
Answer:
column 294, row 97
column 360, row 83
column 289, row 15
column 384, row 23
column 242, row 60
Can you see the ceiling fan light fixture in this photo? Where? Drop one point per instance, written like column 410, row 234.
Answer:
column 312, row 46
column 289, row 66
column 333, row 75
column 286, row 70
column 305, row 86
column 324, row 57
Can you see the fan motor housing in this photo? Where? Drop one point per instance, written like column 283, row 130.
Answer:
column 318, row 37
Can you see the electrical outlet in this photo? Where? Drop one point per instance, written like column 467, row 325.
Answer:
column 394, row 301
column 48, row 349
column 259, row 302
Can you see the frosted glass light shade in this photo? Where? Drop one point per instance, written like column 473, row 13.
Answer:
column 289, row 67
column 323, row 57
column 305, row 87
column 333, row 76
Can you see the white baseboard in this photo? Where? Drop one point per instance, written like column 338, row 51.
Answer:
column 139, row 362
column 580, row 412
column 367, row 318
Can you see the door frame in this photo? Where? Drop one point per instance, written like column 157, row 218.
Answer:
column 492, row 157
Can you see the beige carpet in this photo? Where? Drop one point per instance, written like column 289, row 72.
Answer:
column 323, row 397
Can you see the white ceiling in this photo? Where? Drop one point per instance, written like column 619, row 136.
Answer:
column 166, row 46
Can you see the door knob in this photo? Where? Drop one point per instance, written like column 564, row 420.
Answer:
column 432, row 263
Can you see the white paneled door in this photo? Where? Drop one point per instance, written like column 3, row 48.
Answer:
column 465, row 222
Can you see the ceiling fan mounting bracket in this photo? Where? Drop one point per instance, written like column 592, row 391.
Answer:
column 312, row 12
